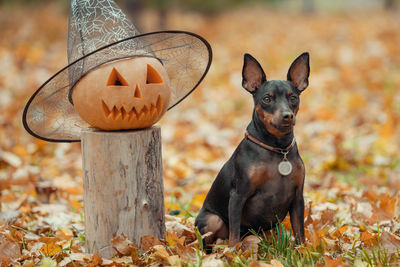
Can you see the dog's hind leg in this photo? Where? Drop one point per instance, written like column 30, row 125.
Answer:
column 208, row 222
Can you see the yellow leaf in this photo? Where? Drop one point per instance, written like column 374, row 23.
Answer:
column 28, row 263
column 173, row 240
column 47, row 262
column 339, row 232
column 50, row 249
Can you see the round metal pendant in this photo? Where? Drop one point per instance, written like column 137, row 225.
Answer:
column 285, row 167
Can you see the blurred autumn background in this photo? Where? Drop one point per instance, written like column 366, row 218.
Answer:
column 347, row 131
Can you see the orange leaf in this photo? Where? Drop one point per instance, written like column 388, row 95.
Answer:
column 96, row 261
column 339, row 232
column 368, row 239
column 148, row 241
column 329, row 262
column 50, row 249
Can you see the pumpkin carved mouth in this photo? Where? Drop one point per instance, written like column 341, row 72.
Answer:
column 126, row 113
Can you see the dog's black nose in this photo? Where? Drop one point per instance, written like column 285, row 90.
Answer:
column 287, row 116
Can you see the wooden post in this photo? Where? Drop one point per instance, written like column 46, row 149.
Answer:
column 123, row 186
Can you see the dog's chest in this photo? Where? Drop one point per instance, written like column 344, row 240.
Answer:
column 272, row 193
column 264, row 175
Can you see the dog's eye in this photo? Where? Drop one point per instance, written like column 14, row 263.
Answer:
column 267, row 99
column 293, row 99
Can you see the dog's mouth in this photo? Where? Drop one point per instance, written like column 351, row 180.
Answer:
column 283, row 127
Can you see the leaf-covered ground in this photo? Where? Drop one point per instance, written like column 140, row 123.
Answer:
column 347, row 130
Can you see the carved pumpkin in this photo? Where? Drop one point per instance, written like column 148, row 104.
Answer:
column 131, row 93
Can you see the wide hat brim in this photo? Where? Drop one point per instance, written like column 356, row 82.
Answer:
column 49, row 114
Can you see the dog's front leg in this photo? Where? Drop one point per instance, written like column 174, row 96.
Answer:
column 236, row 203
column 297, row 216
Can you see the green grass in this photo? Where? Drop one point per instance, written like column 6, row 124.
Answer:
column 281, row 246
column 374, row 256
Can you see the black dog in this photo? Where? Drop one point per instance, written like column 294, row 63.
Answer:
column 263, row 180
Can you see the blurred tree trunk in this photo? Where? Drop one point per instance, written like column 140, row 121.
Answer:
column 308, row 6
column 134, row 10
column 162, row 20
column 161, row 6
column 390, row 4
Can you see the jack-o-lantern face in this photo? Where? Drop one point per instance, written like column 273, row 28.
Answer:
column 131, row 93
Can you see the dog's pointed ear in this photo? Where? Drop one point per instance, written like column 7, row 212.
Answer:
column 252, row 73
column 299, row 71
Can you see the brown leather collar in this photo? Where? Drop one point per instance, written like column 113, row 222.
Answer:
column 275, row 149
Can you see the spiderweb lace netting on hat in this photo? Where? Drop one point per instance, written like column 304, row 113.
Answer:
column 99, row 32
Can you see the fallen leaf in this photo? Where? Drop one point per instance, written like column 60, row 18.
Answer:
column 28, row 263
column 161, row 252
column 179, row 228
column 64, row 233
column 390, row 242
column 47, row 262
column 148, row 241
column 250, row 243
column 173, row 240
column 124, row 246
column 329, row 262
column 339, row 232
column 9, row 250
column 50, row 249
column 96, row 261
column 368, row 239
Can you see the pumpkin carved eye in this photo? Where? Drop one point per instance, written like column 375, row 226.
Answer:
column 116, row 79
column 152, row 75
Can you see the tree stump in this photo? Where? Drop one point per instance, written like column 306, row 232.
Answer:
column 123, row 186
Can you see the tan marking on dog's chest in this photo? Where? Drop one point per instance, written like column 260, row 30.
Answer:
column 262, row 173
column 258, row 174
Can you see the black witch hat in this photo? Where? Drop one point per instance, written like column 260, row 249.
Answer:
column 99, row 32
